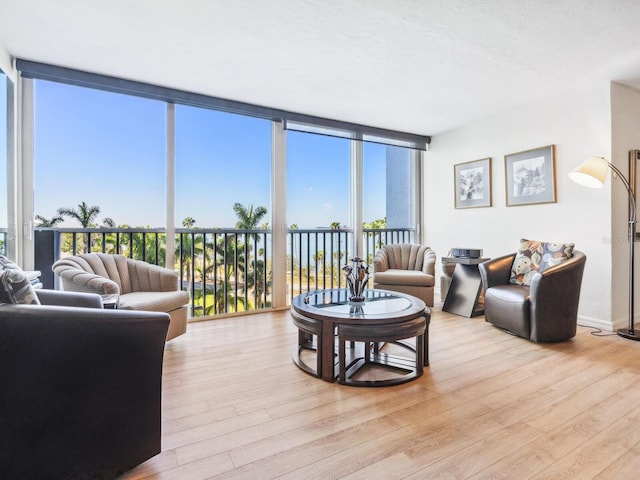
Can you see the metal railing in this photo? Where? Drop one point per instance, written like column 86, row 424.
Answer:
column 374, row 238
column 226, row 270
column 315, row 259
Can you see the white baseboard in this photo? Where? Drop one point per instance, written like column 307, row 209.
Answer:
column 604, row 325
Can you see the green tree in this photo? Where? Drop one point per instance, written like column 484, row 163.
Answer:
column 188, row 222
column 189, row 247
column 248, row 217
column 228, row 255
column 48, row 222
column 335, row 225
column 258, row 284
column 379, row 223
column 85, row 214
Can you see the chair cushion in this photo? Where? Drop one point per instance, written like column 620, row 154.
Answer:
column 535, row 256
column 404, row 277
column 509, row 307
column 154, row 301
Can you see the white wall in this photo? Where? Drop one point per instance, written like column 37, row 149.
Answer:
column 579, row 125
column 625, row 136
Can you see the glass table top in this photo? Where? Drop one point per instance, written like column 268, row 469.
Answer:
column 336, row 302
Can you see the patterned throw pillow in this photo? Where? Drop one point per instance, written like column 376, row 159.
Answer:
column 15, row 287
column 534, row 256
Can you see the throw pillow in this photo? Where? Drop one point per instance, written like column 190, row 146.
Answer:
column 15, row 287
column 534, row 256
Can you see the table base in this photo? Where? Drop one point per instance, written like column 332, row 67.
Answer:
column 398, row 369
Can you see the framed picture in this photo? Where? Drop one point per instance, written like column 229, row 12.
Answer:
column 473, row 184
column 530, row 176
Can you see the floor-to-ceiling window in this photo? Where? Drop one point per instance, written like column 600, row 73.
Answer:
column 318, row 210
column 223, row 196
column 390, row 177
column 99, row 160
column 177, row 179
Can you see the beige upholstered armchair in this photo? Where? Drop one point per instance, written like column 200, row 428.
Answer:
column 406, row 268
column 137, row 285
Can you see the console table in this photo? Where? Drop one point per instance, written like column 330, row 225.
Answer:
column 465, row 289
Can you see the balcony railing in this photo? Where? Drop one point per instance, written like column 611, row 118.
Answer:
column 224, row 270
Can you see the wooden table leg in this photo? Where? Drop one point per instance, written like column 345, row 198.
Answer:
column 426, row 342
column 328, row 352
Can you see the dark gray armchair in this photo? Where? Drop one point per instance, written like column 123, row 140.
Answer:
column 80, row 388
column 545, row 311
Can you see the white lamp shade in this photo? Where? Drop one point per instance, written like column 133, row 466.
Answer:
column 591, row 173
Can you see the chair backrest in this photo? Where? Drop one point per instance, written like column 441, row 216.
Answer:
column 128, row 274
column 406, row 256
column 113, row 267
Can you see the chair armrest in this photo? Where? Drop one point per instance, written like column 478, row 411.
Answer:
column 77, row 280
column 559, row 281
column 555, row 295
column 69, row 299
column 496, row 271
column 380, row 262
column 429, row 263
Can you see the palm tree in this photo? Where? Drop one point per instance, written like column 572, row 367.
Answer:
column 85, row 215
column 248, row 218
column 48, row 222
column 228, row 255
column 142, row 248
column 335, row 225
column 190, row 246
column 260, row 282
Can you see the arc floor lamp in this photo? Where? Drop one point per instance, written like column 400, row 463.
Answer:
column 592, row 173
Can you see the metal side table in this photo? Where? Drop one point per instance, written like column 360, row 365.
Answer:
column 463, row 297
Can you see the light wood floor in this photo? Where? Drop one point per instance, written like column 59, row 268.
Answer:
column 490, row 406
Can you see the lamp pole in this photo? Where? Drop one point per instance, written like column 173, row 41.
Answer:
column 629, row 332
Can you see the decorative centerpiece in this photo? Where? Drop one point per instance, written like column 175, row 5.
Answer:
column 357, row 275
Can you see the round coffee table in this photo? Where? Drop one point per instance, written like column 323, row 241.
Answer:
column 384, row 316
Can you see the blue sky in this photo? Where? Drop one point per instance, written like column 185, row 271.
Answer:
column 109, row 150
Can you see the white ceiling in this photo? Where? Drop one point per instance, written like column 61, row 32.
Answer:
column 417, row 66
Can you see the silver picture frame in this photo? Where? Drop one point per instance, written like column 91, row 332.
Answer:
column 530, row 177
column 472, row 188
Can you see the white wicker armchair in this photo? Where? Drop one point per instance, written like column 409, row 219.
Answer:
column 139, row 285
